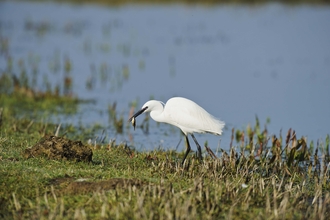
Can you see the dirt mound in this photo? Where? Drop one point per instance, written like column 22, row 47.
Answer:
column 59, row 148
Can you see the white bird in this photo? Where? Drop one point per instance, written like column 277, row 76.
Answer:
column 184, row 114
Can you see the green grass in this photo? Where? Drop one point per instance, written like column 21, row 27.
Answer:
column 260, row 177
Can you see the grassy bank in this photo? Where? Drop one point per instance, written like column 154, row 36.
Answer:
column 260, row 177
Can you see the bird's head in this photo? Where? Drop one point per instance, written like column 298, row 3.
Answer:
column 149, row 106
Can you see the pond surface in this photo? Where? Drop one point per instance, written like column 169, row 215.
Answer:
column 237, row 62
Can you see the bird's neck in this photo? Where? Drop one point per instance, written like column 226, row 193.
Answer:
column 157, row 116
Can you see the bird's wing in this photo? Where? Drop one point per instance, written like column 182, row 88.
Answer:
column 192, row 118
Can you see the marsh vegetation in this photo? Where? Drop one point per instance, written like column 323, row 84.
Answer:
column 261, row 176
column 54, row 167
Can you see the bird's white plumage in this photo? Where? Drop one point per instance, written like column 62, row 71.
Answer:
column 185, row 114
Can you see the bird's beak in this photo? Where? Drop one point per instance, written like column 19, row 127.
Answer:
column 132, row 119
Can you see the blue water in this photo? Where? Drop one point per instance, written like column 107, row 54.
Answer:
column 237, row 62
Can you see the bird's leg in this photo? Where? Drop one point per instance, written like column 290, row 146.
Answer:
column 199, row 149
column 187, row 151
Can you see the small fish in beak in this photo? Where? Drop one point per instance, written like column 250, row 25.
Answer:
column 133, row 121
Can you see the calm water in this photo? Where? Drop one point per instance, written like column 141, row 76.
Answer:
column 235, row 61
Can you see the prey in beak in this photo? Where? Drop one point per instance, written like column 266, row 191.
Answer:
column 132, row 119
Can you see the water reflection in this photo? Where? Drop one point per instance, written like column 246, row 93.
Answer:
column 236, row 61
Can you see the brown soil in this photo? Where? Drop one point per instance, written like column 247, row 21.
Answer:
column 59, row 148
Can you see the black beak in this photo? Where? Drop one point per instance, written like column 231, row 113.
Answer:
column 137, row 114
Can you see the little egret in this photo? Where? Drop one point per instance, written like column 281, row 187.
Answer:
column 184, row 114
